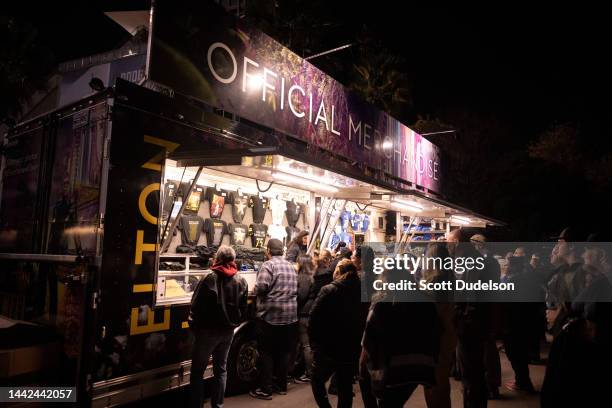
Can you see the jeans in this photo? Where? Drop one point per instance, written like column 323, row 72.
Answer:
column 492, row 364
column 396, row 397
column 517, row 350
column 215, row 342
column 275, row 344
column 305, row 345
column 365, row 386
column 470, row 359
column 323, row 367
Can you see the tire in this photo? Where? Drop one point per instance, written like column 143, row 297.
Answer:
column 242, row 363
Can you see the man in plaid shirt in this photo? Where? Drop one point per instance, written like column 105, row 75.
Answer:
column 276, row 290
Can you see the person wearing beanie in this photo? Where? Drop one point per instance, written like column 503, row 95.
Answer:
column 218, row 305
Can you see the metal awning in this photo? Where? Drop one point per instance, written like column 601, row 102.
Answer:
column 273, row 164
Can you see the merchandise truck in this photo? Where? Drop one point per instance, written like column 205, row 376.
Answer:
column 112, row 206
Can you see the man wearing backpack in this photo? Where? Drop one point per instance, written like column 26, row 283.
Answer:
column 218, row 305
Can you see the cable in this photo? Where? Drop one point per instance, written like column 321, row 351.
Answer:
column 263, row 191
column 362, row 209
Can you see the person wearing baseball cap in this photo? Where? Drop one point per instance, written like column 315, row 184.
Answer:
column 276, row 291
column 566, row 235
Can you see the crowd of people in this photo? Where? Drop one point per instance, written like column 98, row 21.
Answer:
column 314, row 326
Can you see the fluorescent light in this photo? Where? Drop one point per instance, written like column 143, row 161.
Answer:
column 407, row 207
column 409, row 203
column 304, row 182
column 460, row 220
column 318, row 179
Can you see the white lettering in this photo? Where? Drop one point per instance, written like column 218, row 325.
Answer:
column 245, row 74
column 322, row 117
column 354, row 129
column 310, row 108
column 377, row 268
column 290, row 100
column 282, row 104
column 332, row 121
column 218, row 77
column 366, row 136
column 266, row 85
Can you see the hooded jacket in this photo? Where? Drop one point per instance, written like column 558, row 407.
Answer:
column 220, row 299
column 337, row 319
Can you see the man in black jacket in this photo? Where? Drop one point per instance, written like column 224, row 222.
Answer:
column 335, row 329
column 472, row 323
column 218, row 305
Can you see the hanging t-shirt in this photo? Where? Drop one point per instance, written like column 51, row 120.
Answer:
column 216, row 199
column 277, row 232
column 170, row 195
column 258, row 235
column 291, row 233
column 193, row 201
column 356, row 222
column 293, row 213
column 259, row 205
column 345, row 217
column 277, row 207
column 215, row 231
column 304, row 210
column 240, row 204
column 336, row 238
column 191, row 227
column 365, row 223
column 238, row 234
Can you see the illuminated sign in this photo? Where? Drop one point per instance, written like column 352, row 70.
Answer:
column 215, row 58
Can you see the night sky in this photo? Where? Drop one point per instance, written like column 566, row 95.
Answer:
column 527, row 67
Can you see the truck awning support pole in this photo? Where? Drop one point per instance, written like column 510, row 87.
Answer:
column 166, row 242
column 322, row 218
column 331, row 225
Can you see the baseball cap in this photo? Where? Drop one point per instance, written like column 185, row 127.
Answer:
column 567, row 235
column 478, row 238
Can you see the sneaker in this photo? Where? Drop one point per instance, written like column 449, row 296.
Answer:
column 303, row 379
column 494, row 393
column 278, row 390
column 260, row 394
column 513, row 386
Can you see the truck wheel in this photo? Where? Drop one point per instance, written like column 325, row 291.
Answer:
column 242, row 372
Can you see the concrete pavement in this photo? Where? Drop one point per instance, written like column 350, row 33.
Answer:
column 300, row 395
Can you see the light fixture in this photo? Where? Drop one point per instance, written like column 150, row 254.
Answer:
column 387, row 144
column 304, row 182
column 460, row 220
column 409, row 203
column 407, row 207
column 303, row 174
